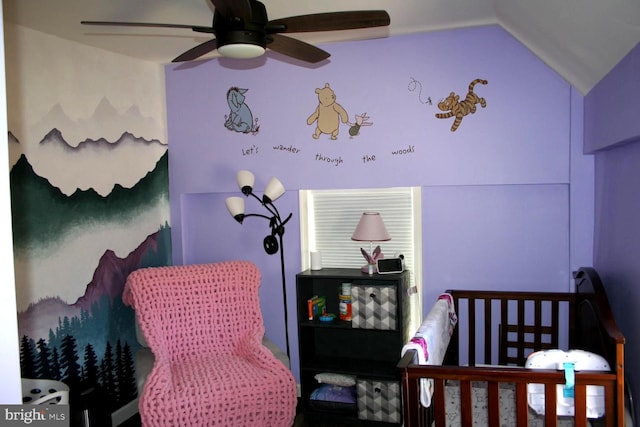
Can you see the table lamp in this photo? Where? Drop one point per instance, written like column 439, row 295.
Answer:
column 371, row 229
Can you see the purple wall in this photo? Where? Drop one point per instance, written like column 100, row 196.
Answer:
column 617, row 199
column 611, row 108
column 501, row 195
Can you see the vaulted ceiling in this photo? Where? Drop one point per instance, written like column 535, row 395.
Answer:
column 581, row 39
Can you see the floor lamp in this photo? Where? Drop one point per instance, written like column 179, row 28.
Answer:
column 272, row 242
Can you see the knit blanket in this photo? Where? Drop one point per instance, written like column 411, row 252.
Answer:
column 204, row 326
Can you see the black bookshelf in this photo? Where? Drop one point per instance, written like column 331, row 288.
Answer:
column 339, row 347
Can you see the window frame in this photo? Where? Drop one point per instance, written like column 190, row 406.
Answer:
column 307, row 233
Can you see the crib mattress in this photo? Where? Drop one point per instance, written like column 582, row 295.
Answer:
column 480, row 405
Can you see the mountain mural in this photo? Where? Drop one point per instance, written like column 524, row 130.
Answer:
column 98, row 152
column 99, row 145
column 92, row 342
column 41, row 213
column 78, row 207
column 108, row 281
column 78, row 130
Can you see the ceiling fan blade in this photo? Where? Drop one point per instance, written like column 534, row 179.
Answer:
column 233, row 8
column 297, row 49
column 198, row 51
column 331, row 21
column 195, row 28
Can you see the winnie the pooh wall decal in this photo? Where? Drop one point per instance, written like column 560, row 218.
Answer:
column 459, row 109
column 240, row 118
column 328, row 114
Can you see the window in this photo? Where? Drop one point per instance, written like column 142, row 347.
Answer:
column 328, row 218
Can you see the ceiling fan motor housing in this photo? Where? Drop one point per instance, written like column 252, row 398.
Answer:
column 235, row 30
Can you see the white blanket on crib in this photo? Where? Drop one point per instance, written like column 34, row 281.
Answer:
column 431, row 340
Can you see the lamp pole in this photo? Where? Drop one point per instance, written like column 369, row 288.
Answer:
column 284, row 297
column 277, row 227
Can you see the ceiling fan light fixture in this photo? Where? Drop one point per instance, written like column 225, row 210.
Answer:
column 241, row 44
column 241, row 50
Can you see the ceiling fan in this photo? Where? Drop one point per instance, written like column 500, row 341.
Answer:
column 242, row 30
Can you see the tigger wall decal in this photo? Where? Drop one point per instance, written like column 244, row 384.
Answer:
column 459, row 109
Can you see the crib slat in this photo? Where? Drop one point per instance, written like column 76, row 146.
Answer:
column 439, row 403
column 610, row 390
column 550, row 418
column 472, row 331
column 487, row 331
column 555, row 310
column 521, row 324
column 465, row 403
column 572, row 322
column 537, row 336
column 580, row 399
column 494, row 403
column 452, row 356
column 411, row 394
column 504, row 332
column 522, row 407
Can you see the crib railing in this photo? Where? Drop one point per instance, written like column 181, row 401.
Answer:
column 503, row 328
column 416, row 415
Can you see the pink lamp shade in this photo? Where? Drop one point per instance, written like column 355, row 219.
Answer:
column 371, row 228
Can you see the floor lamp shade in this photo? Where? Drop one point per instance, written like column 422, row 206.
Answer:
column 246, row 180
column 273, row 190
column 235, row 205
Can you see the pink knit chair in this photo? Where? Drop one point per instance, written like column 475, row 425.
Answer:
column 204, row 326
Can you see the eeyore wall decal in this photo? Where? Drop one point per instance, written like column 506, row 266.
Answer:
column 240, row 118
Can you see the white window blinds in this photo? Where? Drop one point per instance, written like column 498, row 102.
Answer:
column 329, row 218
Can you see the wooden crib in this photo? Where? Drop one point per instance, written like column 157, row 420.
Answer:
column 513, row 325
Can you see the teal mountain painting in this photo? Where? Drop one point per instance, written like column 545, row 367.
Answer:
column 88, row 341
